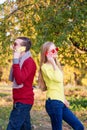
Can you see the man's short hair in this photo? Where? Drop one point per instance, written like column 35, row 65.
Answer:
column 26, row 42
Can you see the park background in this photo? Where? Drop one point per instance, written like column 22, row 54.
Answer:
column 65, row 23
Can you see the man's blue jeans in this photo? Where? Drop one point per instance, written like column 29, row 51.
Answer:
column 58, row 112
column 20, row 117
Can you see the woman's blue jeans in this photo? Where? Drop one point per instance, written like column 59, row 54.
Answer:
column 58, row 112
column 20, row 117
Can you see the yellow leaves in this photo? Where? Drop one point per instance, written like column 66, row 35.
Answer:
column 37, row 18
column 45, row 3
column 34, row 34
column 36, row 6
column 81, row 0
column 2, row 102
column 84, row 80
column 32, row 29
column 48, row 2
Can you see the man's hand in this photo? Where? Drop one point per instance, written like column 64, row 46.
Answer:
column 16, row 54
column 18, row 51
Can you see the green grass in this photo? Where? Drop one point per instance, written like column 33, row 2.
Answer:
column 4, row 116
column 3, row 95
column 78, row 104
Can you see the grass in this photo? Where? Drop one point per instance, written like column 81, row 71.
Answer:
column 4, row 115
column 77, row 96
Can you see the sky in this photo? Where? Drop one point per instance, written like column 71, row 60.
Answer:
column 2, row 1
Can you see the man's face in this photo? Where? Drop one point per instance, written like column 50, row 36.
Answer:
column 17, row 44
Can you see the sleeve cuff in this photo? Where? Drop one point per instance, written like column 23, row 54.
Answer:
column 15, row 61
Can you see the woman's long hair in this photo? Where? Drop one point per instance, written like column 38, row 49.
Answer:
column 43, row 59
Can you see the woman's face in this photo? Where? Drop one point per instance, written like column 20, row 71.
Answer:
column 52, row 51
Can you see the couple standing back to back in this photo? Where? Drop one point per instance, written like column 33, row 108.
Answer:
column 50, row 78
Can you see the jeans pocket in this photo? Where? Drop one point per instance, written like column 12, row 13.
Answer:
column 52, row 106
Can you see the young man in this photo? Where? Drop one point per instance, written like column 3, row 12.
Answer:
column 22, row 75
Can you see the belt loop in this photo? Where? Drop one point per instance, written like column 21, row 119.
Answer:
column 14, row 106
column 49, row 98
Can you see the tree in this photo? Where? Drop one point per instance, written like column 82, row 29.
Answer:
column 63, row 22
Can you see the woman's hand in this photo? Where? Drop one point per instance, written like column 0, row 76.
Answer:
column 52, row 61
column 66, row 103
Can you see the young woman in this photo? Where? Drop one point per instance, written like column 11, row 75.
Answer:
column 51, row 78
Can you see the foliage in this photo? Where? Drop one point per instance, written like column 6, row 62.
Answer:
column 44, row 20
column 77, row 104
column 84, row 80
column 63, row 22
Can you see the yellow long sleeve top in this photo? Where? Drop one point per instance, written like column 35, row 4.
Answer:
column 54, row 82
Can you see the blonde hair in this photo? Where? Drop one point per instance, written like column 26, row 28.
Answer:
column 43, row 59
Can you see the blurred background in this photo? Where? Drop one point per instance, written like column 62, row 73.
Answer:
column 64, row 23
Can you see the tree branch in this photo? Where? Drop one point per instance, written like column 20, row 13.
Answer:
column 15, row 10
column 76, row 45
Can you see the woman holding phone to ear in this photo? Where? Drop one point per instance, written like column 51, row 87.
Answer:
column 22, row 74
column 51, row 79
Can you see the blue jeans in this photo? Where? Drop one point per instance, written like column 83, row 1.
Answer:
column 58, row 111
column 20, row 117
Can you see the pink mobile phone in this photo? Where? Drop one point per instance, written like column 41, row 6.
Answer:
column 49, row 54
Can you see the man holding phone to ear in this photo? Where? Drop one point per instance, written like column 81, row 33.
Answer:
column 22, row 74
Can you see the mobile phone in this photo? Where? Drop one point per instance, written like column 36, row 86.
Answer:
column 21, row 49
column 49, row 55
